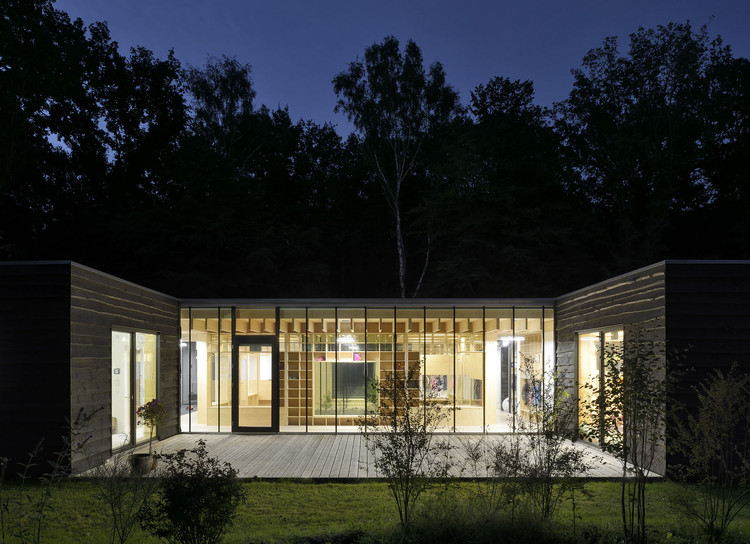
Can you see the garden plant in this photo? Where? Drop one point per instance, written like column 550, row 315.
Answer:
column 196, row 500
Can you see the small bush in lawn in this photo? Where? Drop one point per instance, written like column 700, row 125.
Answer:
column 197, row 498
column 405, row 452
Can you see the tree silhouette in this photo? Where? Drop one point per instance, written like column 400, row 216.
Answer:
column 395, row 105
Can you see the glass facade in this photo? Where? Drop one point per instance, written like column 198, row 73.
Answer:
column 206, row 360
column 331, row 361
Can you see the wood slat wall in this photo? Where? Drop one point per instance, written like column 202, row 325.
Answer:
column 637, row 297
column 34, row 358
column 99, row 304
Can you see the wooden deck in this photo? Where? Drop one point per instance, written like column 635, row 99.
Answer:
column 332, row 456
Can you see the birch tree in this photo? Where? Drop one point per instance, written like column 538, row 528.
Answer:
column 394, row 105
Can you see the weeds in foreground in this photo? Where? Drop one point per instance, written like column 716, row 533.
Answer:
column 124, row 491
column 716, row 443
column 25, row 508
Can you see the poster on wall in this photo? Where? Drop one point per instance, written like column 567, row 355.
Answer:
column 435, row 386
column 476, row 391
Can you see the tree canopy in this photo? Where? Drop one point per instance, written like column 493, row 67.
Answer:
column 172, row 176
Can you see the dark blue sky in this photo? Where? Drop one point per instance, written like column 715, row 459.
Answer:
column 296, row 46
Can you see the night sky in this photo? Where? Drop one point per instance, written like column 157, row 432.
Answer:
column 296, row 47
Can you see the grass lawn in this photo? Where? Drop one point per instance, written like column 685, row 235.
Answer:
column 278, row 510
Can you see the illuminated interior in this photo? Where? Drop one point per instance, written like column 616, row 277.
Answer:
column 134, row 383
column 592, row 347
column 332, row 360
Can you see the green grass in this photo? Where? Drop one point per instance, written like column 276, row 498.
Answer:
column 280, row 510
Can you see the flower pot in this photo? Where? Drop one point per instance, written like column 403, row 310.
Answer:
column 142, row 463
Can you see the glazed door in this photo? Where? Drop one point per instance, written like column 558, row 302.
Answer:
column 255, row 384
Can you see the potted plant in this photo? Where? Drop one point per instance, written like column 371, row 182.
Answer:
column 150, row 414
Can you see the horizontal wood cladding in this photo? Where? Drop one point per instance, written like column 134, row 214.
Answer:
column 633, row 298
column 99, row 305
column 34, row 357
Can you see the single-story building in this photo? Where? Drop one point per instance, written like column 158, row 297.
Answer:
column 74, row 339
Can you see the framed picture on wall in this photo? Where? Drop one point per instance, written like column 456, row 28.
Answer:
column 435, row 386
column 476, row 390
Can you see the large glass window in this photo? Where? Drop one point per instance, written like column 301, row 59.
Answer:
column 500, row 368
column 333, row 360
column 352, row 370
column 135, row 364
column 295, row 397
column 145, row 377
column 439, row 380
column 592, row 347
column 528, row 332
column 206, row 358
column 255, row 384
column 121, row 405
column 470, row 378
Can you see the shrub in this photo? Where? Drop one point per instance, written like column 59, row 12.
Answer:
column 630, row 407
column 123, row 492
column 197, row 498
column 554, row 465
column 715, row 442
column 404, row 451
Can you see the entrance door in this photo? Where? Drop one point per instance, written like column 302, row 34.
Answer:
column 255, row 384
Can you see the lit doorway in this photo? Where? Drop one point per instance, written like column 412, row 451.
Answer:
column 255, row 384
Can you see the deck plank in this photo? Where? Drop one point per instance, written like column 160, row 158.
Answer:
column 334, row 456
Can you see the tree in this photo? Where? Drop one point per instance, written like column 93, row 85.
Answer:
column 508, row 223
column 404, row 449
column 222, row 100
column 641, row 129
column 87, row 132
column 629, row 405
column 396, row 106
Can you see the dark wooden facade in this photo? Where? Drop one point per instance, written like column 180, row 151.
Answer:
column 56, row 321
column 636, row 299
column 34, row 358
column 700, row 310
column 99, row 304
column 708, row 322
